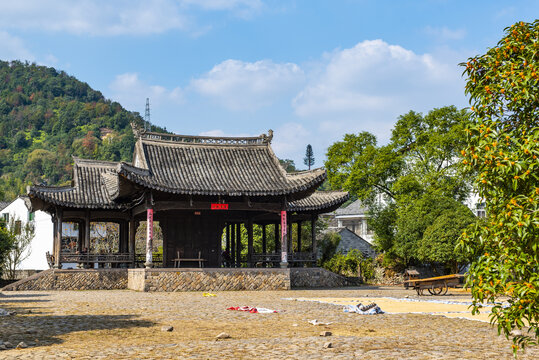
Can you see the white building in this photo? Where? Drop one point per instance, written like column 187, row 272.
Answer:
column 43, row 233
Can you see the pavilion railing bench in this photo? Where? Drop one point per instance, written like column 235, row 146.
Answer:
column 180, row 258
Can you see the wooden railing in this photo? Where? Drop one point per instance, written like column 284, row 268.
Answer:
column 157, row 260
column 96, row 258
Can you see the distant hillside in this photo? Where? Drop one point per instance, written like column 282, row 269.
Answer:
column 46, row 116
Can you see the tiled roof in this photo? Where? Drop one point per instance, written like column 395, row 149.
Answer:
column 355, row 208
column 4, row 204
column 185, row 165
column 233, row 169
column 88, row 190
column 319, row 200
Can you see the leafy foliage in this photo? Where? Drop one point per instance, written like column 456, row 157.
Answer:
column 21, row 234
column 6, row 244
column 502, row 149
column 351, row 264
column 417, row 173
column 46, row 117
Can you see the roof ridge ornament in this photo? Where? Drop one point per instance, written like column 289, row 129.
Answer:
column 205, row 140
column 137, row 130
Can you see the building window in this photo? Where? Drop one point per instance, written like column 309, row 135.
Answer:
column 481, row 213
column 5, row 216
column 31, row 215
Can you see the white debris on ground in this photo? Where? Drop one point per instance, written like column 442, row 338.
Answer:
column 370, row 309
column 4, row 312
column 318, row 323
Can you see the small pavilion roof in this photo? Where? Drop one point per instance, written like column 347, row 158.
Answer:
column 88, row 190
column 199, row 165
column 320, row 201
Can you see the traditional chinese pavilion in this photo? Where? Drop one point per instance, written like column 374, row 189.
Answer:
column 200, row 189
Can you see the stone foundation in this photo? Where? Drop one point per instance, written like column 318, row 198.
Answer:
column 316, row 278
column 208, row 279
column 184, row 279
column 76, row 279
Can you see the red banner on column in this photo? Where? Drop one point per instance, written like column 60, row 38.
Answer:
column 149, row 219
column 283, row 225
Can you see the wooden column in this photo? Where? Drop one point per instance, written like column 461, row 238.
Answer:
column 228, row 238
column 80, row 236
column 149, row 238
column 313, row 237
column 299, row 235
column 232, row 246
column 238, row 245
column 277, row 238
column 58, row 240
column 284, row 242
column 264, row 242
column 132, row 234
column 289, row 233
column 87, row 231
column 250, row 247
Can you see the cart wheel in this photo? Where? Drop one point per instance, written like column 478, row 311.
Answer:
column 419, row 291
column 441, row 290
column 445, row 290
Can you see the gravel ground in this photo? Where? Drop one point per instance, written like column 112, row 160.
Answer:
column 128, row 325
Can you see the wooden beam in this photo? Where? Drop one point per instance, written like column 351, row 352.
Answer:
column 58, row 239
column 97, row 215
column 232, row 245
column 277, row 231
column 250, row 247
column 313, row 235
column 299, row 235
column 264, row 242
column 132, row 234
column 206, row 205
column 87, row 230
column 238, row 245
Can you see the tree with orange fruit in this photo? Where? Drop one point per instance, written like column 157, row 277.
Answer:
column 503, row 150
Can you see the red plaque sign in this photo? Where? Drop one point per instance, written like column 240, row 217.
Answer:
column 283, row 225
column 219, row 206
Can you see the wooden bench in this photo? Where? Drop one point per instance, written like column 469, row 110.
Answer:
column 179, row 259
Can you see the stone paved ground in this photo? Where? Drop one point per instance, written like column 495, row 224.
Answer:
column 127, row 325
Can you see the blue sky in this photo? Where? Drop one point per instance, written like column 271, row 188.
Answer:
column 310, row 70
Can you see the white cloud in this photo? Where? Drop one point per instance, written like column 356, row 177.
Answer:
column 241, row 8
column 444, row 33
column 13, row 48
column 290, row 140
column 368, row 86
column 110, row 18
column 132, row 92
column 238, row 85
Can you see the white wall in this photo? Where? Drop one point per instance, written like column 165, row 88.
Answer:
column 43, row 234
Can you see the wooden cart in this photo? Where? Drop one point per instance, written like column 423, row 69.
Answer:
column 434, row 285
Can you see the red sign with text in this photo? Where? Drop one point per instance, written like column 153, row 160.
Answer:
column 283, row 224
column 219, row 206
column 149, row 227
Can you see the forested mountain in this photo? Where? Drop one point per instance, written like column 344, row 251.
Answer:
column 46, row 117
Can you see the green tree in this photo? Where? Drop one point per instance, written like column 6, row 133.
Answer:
column 309, row 156
column 6, row 244
column 502, row 150
column 442, row 235
column 415, row 172
column 21, row 235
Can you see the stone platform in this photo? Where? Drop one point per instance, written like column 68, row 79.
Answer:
column 181, row 279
